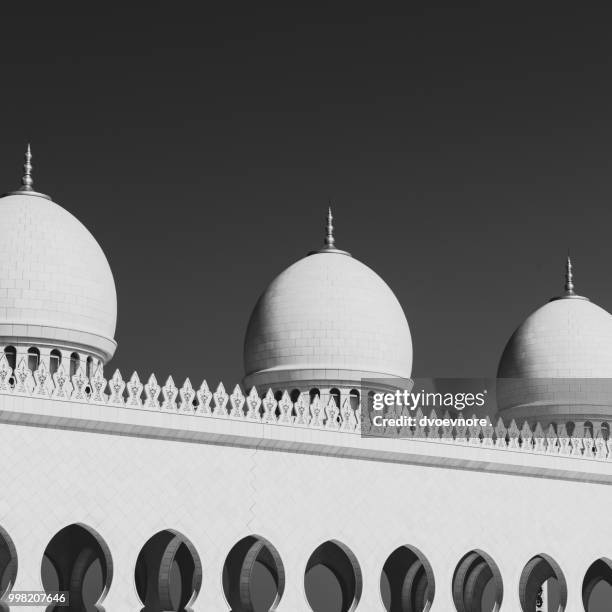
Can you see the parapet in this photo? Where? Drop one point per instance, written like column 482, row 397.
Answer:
column 337, row 414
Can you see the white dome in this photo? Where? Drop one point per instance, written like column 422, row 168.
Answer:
column 56, row 287
column 565, row 340
column 327, row 317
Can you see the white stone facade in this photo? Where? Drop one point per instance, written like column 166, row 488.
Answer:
column 130, row 460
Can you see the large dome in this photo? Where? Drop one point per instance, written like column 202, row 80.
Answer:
column 328, row 317
column 557, row 347
column 56, row 287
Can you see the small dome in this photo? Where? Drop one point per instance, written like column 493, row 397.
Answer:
column 567, row 340
column 56, row 287
column 328, row 317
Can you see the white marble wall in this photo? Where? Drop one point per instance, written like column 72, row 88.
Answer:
column 62, row 464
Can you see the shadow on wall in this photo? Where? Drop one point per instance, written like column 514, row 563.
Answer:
column 542, row 572
column 477, row 584
column 168, row 577
column 253, row 576
column 8, row 565
column 407, row 581
column 77, row 560
column 333, row 581
column 168, row 573
column 597, row 586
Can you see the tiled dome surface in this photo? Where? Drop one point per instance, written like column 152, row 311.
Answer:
column 53, row 273
column 328, row 311
column 565, row 340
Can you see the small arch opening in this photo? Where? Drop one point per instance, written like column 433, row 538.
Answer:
column 75, row 362
column 295, row 395
column 314, row 393
column 407, row 581
column 253, row 576
column 168, row 573
column 55, row 360
column 605, row 431
column 588, row 429
column 77, row 560
column 597, row 586
column 8, row 564
column 542, row 583
column 333, row 581
column 477, row 584
column 10, row 353
column 89, row 374
column 335, row 394
column 354, row 399
column 33, row 358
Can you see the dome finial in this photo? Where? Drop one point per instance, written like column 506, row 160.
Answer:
column 330, row 241
column 569, row 277
column 27, row 181
column 329, row 245
column 569, row 283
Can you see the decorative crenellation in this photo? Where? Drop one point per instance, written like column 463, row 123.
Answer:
column 336, row 412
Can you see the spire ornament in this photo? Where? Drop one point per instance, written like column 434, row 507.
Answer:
column 330, row 241
column 569, row 277
column 569, row 292
column 329, row 245
column 27, row 182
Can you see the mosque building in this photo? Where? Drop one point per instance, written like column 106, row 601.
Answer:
column 126, row 493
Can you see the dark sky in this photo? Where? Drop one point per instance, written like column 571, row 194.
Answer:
column 466, row 150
